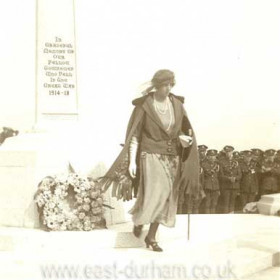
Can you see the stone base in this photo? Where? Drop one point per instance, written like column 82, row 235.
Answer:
column 269, row 204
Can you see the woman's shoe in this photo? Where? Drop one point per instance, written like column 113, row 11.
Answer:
column 153, row 244
column 137, row 230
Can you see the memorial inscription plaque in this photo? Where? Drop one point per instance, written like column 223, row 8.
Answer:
column 57, row 97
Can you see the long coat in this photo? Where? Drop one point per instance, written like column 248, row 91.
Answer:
column 228, row 169
column 117, row 177
column 249, row 181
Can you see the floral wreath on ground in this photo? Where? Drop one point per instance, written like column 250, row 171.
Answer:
column 70, row 202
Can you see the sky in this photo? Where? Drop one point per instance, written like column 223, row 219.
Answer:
column 225, row 56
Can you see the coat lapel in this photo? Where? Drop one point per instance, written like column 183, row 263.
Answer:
column 177, row 107
column 178, row 113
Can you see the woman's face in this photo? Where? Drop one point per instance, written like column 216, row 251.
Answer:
column 165, row 89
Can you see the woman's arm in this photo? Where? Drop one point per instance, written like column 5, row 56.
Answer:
column 133, row 148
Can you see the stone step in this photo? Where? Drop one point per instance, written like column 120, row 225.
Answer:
column 237, row 263
column 244, row 251
column 116, row 236
column 267, row 274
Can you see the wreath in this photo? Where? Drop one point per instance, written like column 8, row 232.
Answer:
column 70, row 201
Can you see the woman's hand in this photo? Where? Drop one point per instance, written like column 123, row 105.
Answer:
column 186, row 140
column 132, row 169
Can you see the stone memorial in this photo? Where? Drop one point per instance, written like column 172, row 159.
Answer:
column 49, row 146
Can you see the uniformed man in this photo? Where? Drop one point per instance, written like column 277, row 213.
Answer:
column 202, row 149
column 230, row 175
column 257, row 156
column 221, row 155
column 211, row 170
column 277, row 161
column 241, row 155
column 269, row 182
column 236, row 155
column 249, row 186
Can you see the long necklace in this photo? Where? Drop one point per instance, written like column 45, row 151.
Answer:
column 167, row 107
column 170, row 116
column 161, row 111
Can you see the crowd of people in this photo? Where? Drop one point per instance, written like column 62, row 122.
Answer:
column 231, row 179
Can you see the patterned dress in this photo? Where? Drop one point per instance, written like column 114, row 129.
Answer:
column 157, row 197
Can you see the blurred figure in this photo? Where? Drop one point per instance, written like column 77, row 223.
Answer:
column 277, row 162
column 230, row 175
column 257, row 157
column 249, row 186
column 269, row 182
column 7, row 132
column 211, row 170
column 202, row 152
column 221, row 155
column 236, row 155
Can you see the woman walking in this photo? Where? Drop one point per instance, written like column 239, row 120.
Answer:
column 159, row 159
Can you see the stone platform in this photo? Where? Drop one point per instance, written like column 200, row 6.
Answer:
column 269, row 204
column 237, row 245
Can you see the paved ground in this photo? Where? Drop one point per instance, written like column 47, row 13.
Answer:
column 220, row 247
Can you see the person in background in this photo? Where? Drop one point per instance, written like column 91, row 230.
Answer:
column 257, row 156
column 230, row 175
column 277, row 168
column 211, row 185
column 202, row 149
column 249, row 186
column 221, row 155
column 269, row 179
column 236, row 155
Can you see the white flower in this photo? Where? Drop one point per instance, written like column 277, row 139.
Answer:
column 94, row 204
column 51, row 205
column 83, row 194
column 87, row 219
column 94, row 194
column 60, row 218
column 87, row 186
column 63, row 227
column 82, row 215
column 86, row 207
column 87, row 200
column 58, row 192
